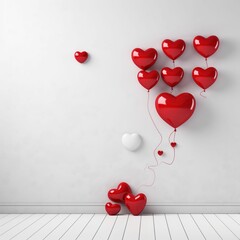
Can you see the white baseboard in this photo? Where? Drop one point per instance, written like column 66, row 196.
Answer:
column 99, row 208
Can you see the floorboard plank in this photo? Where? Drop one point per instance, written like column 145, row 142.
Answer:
column 161, row 227
column 230, row 224
column 147, row 230
column 133, row 228
column 34, row 228
column 92, row 228
column 223, row 231
column 3, row 215
column 13, row 223
column 21, row 227
column 119, row 228
column 48, row 228
column 106, row 228
column 8, row 218
column 235, row 217
column 63, row 228
column 208, row 231
column 191, row 227
column 177, row 231
column 77, row 227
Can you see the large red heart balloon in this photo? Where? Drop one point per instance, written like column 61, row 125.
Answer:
column 173, row 49
column 172, row 76
column 81, row 56
column 175, row 110
column 148, row 79
column 112, row 209
column 118, row 195
column 204, row 78
column 135, row 204
column 144, row 59
column 206, row 46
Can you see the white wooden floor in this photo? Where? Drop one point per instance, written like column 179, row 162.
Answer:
column 127, row 227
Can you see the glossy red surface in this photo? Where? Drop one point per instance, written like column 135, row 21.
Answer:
column 148, row 79
column 175, row 110
column 173, row 49
column 172, row 76
column 118, row 194
column 206, row 46
column 112, row 209
column 144, row 59
column 81, row 56
column 204, row 78
column 135, row 204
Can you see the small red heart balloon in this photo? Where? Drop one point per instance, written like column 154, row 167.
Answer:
column 172, row 76
column 173, row 144
column 118, row 195
column 135, row 204
column 204, row 78
column 175, row 110
column 206, row 46
column 144, row 59
column 173, row 49
column 81, row 56
column 148, row 79
column 112, row 209
column 160, row 153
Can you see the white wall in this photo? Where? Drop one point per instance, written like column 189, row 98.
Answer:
column 61, row 122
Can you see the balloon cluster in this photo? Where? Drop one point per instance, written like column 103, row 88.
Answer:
column 123, row 194
column 175, row 110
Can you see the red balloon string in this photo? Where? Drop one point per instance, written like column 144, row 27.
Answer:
column 206, row 62
column 173, row 64
column 201, row 93
column 171, row 91
column 151, row 167
column 173, row 147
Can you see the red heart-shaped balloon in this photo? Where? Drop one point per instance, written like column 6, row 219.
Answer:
column 204, row 78
column 172, row 76
column 81, row 56
column 144, row 59
column 206, row 46
column 112, row 209
column 160, row 153
column 175, row 110
column 148, row 79
column 135, row 204
column 118, row 195
column 173, row 49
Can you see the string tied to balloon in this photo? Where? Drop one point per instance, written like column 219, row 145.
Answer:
column 160, row 152
column 202, row 93
column 206, row 61
column 173, row 144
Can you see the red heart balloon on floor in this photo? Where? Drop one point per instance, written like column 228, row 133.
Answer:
column 204, row 78
column 135, row 204
column 148, row 79
column 175, row 110
column 112, row 209
column 206, row 46
column 81, row 56
column 172, row 76
column 173, row 49
column 144, row 59
column 118, row 195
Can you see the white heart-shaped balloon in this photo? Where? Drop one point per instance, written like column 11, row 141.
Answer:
column 131, row 141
